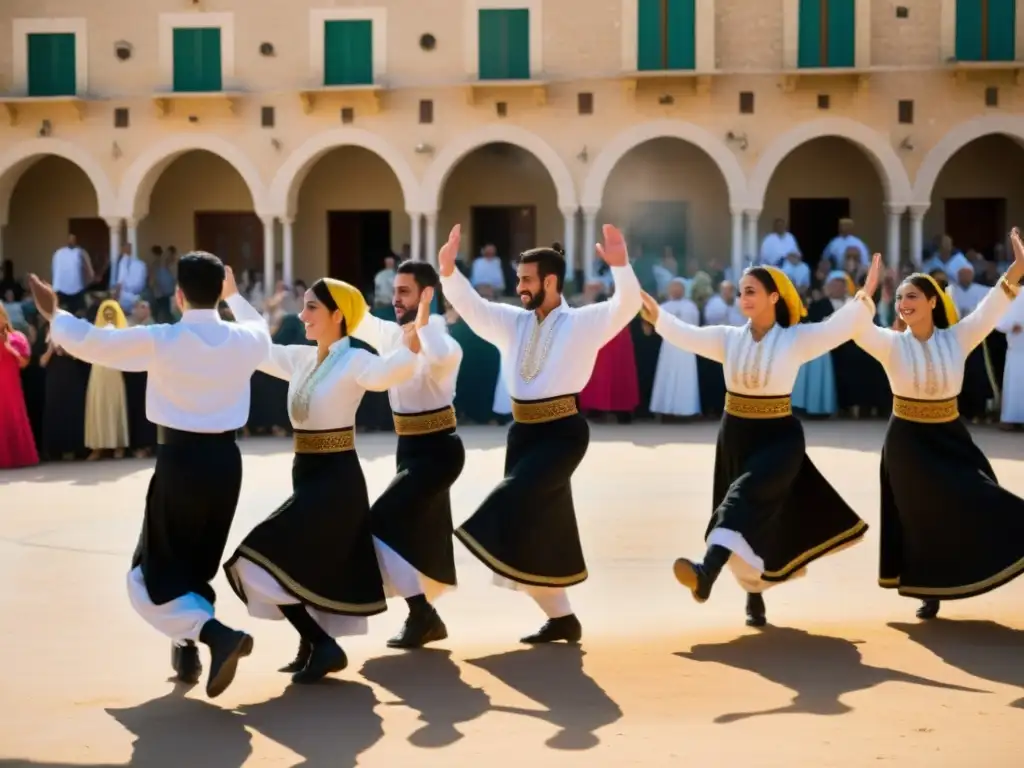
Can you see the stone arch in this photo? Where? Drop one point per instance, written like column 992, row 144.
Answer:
column 142, row 175
column 284, row 190
column 18, row 158
column 735, row 179
column 462, row 145
column 955, row 140
column 875, row 145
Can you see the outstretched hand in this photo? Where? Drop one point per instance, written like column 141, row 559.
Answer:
column 871, row 281
column 1018, row 252
column 44, row 296
column 613, row 252
column 230, row 286
column 650, row 310
column 423, row 310
column 446, row 256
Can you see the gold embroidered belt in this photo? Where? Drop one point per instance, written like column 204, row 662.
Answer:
column 925, row 411
column 328, row 441
column 425, row 423
column 746, row 407
column 542, row 411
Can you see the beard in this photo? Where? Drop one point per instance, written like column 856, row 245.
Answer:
column 533, row 301
column 404, row 316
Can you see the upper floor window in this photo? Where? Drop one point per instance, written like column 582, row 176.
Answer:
column 197, row 54
column 827, row 33
column 504, row 43
column 986, row 30
column 666, row 34
column 348, row 52
column 51, row 64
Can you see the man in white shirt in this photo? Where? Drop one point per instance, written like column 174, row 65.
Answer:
column 412, row 519
column 722, row 308
column 382, row 283
column 525, row 531
column 836, row 250
column 487, row 270
column 797, row 271
column 130, row 278
column 198, row 396
column 966, row 293
column 72, row 274
column 778, row 244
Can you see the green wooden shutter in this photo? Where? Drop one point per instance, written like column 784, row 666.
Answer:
column 51, row 65
column 842, row 33
column 504, row 44
column 650, row 55
column 968, row 30
column 809, row 53
column 348, row 52
column 197, row 60
column 1002, row 26
column 682, row 39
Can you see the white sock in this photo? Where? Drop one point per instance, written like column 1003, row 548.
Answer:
column 554, row 601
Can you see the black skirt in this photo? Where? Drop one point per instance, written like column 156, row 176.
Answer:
column 949, row 531
column 141, row 431
column 190, row 506
column 64, row 406
column 318, row 545
column 414, row 515
column 525, row 530
column 767, row 490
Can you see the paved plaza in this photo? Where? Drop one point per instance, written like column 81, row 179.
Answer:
column 844, row 677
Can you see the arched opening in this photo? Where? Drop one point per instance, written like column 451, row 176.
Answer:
column 820, row 182
column 350, row 215
column 978, row 195
column 200, row 201
column 673, row 203
column 504, row 197
column 50, row 199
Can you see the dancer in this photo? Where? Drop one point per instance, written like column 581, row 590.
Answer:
column 312, row 561
column 412, row 519
column 773, row 511
column 949, row 531
column 525, row 531
column 198, row 395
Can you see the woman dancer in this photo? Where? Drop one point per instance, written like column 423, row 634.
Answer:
column 312, row 561
column 17, row 446
column 106, row 399
column 774, row 512
column 949, row 531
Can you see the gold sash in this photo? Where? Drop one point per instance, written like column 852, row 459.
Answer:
column 426, row 423
column 334, row 441
column 745, row 407
column 925, row 411
column 543, row 411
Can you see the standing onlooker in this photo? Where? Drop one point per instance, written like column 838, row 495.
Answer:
column 106, row 401
column 17, row 446
column 72, row 274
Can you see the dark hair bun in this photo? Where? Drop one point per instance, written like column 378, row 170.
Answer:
column 557, row 248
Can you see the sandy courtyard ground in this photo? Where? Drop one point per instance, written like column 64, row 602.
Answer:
column 845, row 677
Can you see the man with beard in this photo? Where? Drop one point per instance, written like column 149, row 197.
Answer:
column 525, row 531
column 412, row 519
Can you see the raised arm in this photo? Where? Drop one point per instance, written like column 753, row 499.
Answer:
column 378, row 373
column 1013, row 317
column 815, row 339
column 707, row 341
column 877, row 342
column 382, row 335
column 615, row 314
column 492, row 321
column 442, row 352
column 973, row 329
column 126, row 349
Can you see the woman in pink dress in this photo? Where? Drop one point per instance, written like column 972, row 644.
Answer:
column 17, row 446
column 613, row 386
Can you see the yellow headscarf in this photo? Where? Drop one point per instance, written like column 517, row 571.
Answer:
column 788, row 294
column 952, row 316
column 350, row 302
column 120, row 321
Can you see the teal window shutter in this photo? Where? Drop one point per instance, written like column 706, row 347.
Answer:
column 197, row 60
column 650, row 42
column 809, row 53
column 969, row 23
column 51, row 65
column 504, row 44
column 1001, row 37
column 842, row 33
column 682, row 39
column 348, row 52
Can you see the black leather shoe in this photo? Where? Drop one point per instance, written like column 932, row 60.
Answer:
column 327, row 657
column 186, row 664
column 227, row 647
column 420, row 628
column 699, row 578
column 929, row 609
column 301, row 658
column 755, row 610
column 567, row 628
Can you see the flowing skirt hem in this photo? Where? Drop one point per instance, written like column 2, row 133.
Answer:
column 512, row 574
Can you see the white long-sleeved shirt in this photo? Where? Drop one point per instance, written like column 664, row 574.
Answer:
column 199, row 368
column 485, row 271
column 932, row 369
column 775, row 248
column 432, row 386
column 565, row 343
column 132, row 276
column 68, row 270
column 767, row 367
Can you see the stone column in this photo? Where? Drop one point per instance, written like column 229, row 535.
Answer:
column 589, row 240
column 430, row 243
column 752, row 247
column 287, row 252
column 268, row 253
column 917, row 213
column 894, row 218
column 115, row 247
column 736, row 253
column 569, row 239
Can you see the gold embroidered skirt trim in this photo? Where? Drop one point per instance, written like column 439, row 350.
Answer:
column 745, row 407
column 425, row 423
column 542, row 411
column 328, row 441
column 925, row 411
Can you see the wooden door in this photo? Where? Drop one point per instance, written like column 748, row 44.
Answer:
column 234, row 237
column 94, row 237
column 814, row 222
column 976, row 222
column 357, row 242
